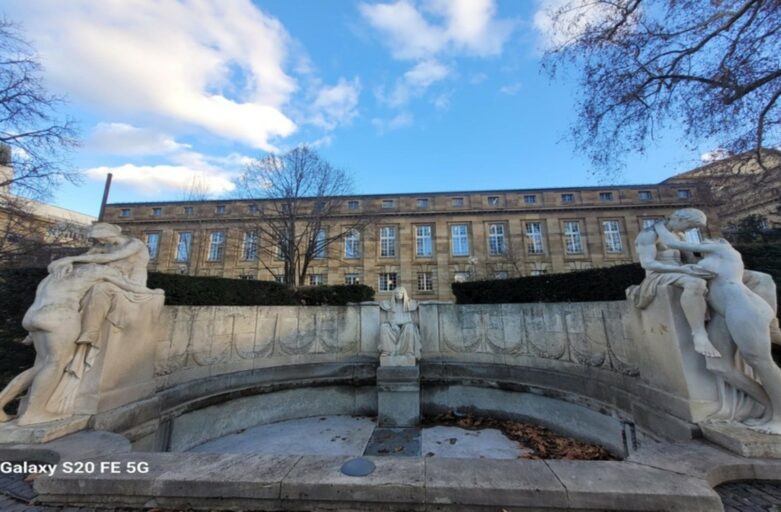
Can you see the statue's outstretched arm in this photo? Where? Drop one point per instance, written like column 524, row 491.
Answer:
column 674, row 242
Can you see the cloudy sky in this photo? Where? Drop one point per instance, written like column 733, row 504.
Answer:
column 425, row 95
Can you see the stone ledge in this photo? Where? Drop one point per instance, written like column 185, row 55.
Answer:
column 742, row 440
column 208, row 481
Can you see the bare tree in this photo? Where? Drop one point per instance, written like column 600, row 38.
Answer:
column 34, row 144
column 303, row 214
column 713, row 67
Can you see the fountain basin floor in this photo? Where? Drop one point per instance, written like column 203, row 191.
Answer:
column 355, row 436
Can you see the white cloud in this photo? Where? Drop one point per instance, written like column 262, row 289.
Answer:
column 442, row 102
column 335, row 105
column 511, row 89
column 715, row 155
column 400, row 120
column 478, row 78
column 415, row 82
column 180, row 61
column 462, row 26
column 127, row 140
column 576, row 17
column 149, row 179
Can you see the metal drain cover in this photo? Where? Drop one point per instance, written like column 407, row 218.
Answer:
column 360, row 466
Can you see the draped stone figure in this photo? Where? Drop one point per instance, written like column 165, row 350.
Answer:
column 399, row 334
column 68, row 318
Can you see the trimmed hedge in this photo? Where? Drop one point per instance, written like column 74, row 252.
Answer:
column 337, row 295
column 596, row 284
column 217, row 291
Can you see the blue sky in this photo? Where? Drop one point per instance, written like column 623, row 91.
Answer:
column 406, row 95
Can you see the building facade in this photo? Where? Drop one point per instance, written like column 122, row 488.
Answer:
column 423, row 242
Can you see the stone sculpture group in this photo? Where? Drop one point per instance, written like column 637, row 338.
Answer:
column 731, row 311
column 66, row 321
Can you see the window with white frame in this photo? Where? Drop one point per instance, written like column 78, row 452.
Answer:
column 493, row 201
column 645, row 195
column 605, row 196
column 572, row 239
column 156, row 212
column 496, row 242
column 529, row 199
column 219, row 209
column 316, row 279
column 352, row 278
column 425, row 281
column 567, row 198
column 387, row 281
column 457, row 202
column 388, row 241
column 501, row 274
column 352, row 244
column 648, row 222
column 280, row 278
column 422, row 202
column 253, row 209
column 282, row 245
column 320, row 244
column 611, row 230
column 183, row 242
column 249, row 246
column 459, row 240
column 693, row 235
column 153, row 244
column 534, row 243
column 216, row 245
column 188, row 210
column 684, row 194
column 423, row 245
column 388, row 203
column 247, row 277
column 353, row 204
column 124, row 212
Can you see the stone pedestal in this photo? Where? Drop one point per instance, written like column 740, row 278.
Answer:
column 42, row 432
column 667, row 360
column 742, row 440
column 398, row 396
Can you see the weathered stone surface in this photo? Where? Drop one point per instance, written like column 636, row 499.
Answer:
column 742, row 440
column 627, row 486
column 42, row 432
column 495, row 483
column 319, row 479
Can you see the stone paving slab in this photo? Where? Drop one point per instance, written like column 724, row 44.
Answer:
column 627, row 486
column 494, row 483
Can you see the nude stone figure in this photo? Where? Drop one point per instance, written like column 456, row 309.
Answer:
column 666, row 265
column 740, row 319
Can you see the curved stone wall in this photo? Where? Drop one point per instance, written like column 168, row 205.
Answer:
column 574, row 366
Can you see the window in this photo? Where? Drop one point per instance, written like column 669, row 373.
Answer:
column 461, row 277
column 534, row 238
column 459, row 240
column 183, row 246
column 538, row 272
column 645, row 195
column 216, row 246
column 493, row 200
column 648, row 222
column 253, row 209
column 152, row 244
column 353, row 204
column 249, row 246
column 572, row 237
column 567, row 198
column 388, row 203
column 501, row 274
column 388, row 241
column 320, row 247
column 247, row 277
column 188, row 210
column 693, row 235
column 605, row 196
column 156, row 212
column 422, row 203
column 529, row 199
column 684, row 194
column 387, row 281
column 124, row 212
column 280, row 278
column 457, row 202
column 285, row 208
column 352, row 278
column 316, row 279
column 282, row 245
column 425, row 281
column 319, row 206
column 423, row 241
column 219, row 209
column 496, row 245
column 352, row 244
column 612, row 232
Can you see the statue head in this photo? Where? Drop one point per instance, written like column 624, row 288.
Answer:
column 685, row 219
column 400, row 295
column 104, row 232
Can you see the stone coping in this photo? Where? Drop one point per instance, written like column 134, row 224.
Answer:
column 659, row 476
